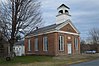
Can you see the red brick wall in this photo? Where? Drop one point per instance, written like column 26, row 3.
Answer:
column 55, row 44
column 40, row 44
column 68, row 28
column 53, row 47
column 79, row 44
column 26, row 46
column 66, row 41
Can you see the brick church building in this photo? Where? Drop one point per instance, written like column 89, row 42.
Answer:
column 61, row 38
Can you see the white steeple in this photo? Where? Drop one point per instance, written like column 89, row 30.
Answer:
column 63, row 14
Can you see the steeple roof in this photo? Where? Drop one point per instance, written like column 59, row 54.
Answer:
column 63, row 5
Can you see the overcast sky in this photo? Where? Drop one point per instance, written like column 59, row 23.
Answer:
column 85, row 13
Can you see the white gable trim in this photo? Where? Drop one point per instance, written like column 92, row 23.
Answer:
column 65, row 23
column 68, row 32
column 59, row 31
column 73, row 27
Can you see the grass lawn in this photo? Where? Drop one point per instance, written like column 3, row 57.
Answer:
column 25, row 60
column 48, row 60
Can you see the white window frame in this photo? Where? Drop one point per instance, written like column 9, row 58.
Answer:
column 36, row 44
column 76, row 43
column 29, row 45
column 45, row 43
column 61, row 43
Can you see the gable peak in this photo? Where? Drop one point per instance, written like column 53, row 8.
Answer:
column 63, row 5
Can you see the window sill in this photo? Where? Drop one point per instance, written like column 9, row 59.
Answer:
column 61, row 50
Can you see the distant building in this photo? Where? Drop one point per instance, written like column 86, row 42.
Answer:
column 4, row 46
column 19, row 48
column 61, row 38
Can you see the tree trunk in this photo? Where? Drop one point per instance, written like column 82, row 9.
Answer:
column 12, row 41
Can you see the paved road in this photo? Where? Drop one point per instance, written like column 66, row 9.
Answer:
column 91, row 63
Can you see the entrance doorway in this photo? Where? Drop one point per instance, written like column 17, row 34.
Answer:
column 69, row 48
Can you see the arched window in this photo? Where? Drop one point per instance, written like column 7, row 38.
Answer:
column 66, row 11
column 61, row 11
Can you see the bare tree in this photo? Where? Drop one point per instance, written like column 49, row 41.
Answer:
column 82, row 42
column 94, row 35
column 16, row 15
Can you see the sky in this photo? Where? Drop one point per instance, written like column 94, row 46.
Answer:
column 84, row 13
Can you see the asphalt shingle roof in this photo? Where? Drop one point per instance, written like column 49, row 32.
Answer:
column 44, row 29
column 64, row 6
column 21, row 42
column 49, row 28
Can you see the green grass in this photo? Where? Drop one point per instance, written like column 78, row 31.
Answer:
column 47, row 60
column 27, row 59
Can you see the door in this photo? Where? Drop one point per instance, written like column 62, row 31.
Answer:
column 69, row 48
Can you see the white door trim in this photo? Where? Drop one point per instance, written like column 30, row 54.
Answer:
column 69, row 46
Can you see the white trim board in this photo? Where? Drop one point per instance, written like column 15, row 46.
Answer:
column 68, row 32
column 59, row 31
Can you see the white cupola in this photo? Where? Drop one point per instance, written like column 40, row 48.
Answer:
column 63, row 14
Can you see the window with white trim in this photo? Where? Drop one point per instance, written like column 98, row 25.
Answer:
column 76, row 43
column 45, row 43
column 29, row 45
column 61, row 43
column 36, row 44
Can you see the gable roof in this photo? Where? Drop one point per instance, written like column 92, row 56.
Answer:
column 44, row 29
column 67, row 22
column 21, row 42
column 63, row 5
column 52, row 28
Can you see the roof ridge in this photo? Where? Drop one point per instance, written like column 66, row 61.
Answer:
column 63, row 5
column 46, row 26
